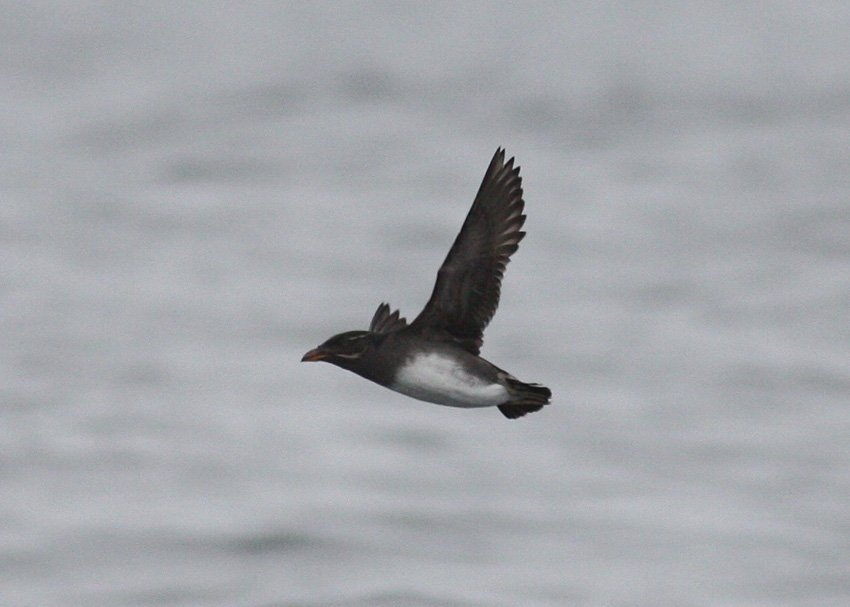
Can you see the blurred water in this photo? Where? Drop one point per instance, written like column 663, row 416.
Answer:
column 192, row 196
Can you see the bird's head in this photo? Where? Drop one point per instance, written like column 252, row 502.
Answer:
column 343, row 350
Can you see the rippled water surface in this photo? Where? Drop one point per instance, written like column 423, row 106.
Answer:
column 193, row 196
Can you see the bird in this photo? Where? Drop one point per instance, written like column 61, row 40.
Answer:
column 436, row 357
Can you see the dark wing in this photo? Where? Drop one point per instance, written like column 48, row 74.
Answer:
column 469, row 282
column 384, row 322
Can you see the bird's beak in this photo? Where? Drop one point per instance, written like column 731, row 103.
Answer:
column 313, row 356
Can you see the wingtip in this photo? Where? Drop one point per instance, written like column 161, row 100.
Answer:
column 498, row 160
column 385, row 320
column 499, row 165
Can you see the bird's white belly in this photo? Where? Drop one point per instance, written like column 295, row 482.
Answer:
column 438, row 379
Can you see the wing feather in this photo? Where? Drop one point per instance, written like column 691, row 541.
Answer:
column 385, row 322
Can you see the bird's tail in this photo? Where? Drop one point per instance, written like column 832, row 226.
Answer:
column 528, row 398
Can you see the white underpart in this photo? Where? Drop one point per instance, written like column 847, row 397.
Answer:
column 438, row 379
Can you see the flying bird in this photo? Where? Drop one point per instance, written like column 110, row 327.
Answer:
column 436, row 358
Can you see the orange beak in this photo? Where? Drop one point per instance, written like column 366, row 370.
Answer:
column 313, row 356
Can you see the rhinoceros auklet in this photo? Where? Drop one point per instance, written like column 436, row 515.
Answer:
column 435, row 357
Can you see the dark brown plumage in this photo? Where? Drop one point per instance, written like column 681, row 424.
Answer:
column 469, row 282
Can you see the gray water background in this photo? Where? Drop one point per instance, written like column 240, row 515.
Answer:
column 193, row 195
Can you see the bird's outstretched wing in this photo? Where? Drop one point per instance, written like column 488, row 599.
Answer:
column 468, row 286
